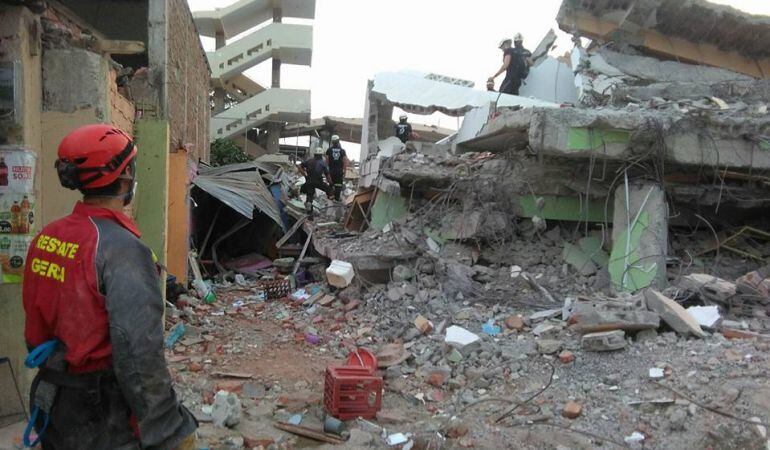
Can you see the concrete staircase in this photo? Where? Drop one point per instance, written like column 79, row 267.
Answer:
column 271, row 38
column 293, row 44
column 272, row 105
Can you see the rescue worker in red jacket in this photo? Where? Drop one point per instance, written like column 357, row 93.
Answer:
column 91, row 284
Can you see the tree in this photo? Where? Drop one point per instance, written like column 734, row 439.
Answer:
column 224, row 152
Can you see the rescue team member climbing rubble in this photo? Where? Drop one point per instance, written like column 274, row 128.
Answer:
column 515, row 65
column 337, row 160
column 403, row 129
column 314, row 170
column 91, row 288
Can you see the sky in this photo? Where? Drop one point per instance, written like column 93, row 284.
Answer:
column 355, row 39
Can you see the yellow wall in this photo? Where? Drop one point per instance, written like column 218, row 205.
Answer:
column 57, row 202
column 17, row 45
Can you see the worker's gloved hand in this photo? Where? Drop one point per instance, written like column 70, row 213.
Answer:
column 189, row 443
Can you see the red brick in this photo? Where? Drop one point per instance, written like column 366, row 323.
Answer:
column 572, row 410
column 235, row 386
column 424, row 325
column 457, row 430
column 514, row 322
column 352, row 305
column 436, row 379
column 566, row 357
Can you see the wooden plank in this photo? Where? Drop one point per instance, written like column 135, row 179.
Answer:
column 291, row 232
column 178, row 231
column 309, row 433
column 117, row 47
column 302, row 254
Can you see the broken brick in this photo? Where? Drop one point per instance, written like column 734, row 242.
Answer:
column 327, row 300
column 424, row 325
column 566, row 357
column 572, row 410
column 457, row 430
column 234, row 386
column 515, row 322
column 352, row 305
column 436, row 379
column 731, row 333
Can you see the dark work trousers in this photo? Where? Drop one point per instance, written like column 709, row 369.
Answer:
column 510, row 86
column 310, row 186
column 337, row 178
column 90, row 419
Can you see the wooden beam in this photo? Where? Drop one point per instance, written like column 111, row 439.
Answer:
column 119, row 47
column 680, row 49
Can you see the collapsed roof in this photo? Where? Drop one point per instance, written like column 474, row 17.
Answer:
column 241, row 187
column 721, row 36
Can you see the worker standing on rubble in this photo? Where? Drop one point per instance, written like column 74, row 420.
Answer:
column 516, row 64
column 94, row 313
column 403, row 129
column 314, row 170
column 337, row 160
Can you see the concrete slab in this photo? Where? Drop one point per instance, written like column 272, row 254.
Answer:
column 673, row 314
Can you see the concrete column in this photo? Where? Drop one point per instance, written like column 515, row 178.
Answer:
column 276, row 73
column 273, row 137
column 219, row 93
column 639, row 236
column 277, row 18
column 385, row 127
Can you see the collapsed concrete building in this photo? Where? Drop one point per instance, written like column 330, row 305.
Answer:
column 626, row 141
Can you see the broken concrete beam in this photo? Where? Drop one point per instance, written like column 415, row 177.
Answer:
column 673, row 314
column 606, row 316
column 543, row 47
column 479, row 224
column 612, row 134
column 605, row 341
column 639, row 236
column 709, row 287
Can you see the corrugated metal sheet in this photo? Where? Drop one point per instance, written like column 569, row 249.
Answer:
column 413, row 92
column 241, row 187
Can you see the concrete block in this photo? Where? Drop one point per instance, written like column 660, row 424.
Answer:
column 75, row 79
column 604, row 342
column 340, row 273
column 604, row 316
column 673, row 314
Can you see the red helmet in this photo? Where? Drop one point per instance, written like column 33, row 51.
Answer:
column 93, row 156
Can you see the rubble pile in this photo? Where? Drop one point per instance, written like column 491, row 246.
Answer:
column 554, row 275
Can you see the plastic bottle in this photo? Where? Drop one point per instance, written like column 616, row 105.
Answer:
column 15, row 217
column 25, row 207
column 3, row 172
column 204, row 292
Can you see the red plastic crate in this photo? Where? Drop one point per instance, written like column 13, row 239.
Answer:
column 351, row 392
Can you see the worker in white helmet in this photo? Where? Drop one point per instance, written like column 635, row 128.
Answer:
column 314, row 170
column 337, row 160
column 516, row 62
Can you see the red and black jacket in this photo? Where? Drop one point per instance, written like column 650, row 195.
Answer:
column 91, row 283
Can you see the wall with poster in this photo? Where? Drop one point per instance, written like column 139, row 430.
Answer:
column 17, row 210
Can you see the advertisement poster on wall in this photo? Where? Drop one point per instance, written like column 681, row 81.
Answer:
column 17, row 210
